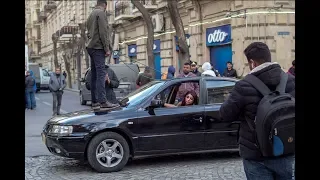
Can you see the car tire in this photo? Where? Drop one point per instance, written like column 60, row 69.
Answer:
column 82, row 102
column 97, row 146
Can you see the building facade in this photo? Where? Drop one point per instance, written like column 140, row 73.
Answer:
column 217, row 31
column 32, row 27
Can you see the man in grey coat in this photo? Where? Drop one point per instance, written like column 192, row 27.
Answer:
column 98, row 48
column 57, row 84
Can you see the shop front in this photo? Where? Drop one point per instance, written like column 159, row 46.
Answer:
column 218, row 40
column 157, row 58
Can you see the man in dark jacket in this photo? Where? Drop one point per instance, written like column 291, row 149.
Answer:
column 243, row 102
column 145, row 77
column 229, row 71
column 194, row 68
column 30, row 84
column 57, row 83
column 98, row 48
column 111, row 81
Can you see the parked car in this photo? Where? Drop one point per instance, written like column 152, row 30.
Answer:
column 41, row 75
column 144, row 127
column 126, row 74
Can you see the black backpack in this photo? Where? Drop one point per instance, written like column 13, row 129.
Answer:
column 275, row 119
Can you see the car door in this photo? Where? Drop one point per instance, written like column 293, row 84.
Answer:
column 171, row 129
column 219, row 134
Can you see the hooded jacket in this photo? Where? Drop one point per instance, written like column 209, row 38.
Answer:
column 171, row 71
column 30, row 81
column 243, row 102
column 206, row 67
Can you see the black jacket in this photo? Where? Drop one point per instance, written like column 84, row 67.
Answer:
column 243, row 101
column 97, row 25
column 114, row 83
column 231, row 73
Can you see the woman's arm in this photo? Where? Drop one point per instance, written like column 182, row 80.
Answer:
column 169, row 105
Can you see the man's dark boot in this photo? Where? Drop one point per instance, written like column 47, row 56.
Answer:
column 95, row 105
column 108, row 105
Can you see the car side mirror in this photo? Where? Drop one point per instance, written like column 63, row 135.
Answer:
column 155, row 103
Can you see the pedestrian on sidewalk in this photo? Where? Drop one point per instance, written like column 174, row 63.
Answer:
column 30, row 84
column 243, row 104
column 229, row 71
column 64, row 74
column 207, row 70
column 57, row 84
column 194, row 68
column 98, row 49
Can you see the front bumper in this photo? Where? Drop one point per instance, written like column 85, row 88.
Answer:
column 71, row 147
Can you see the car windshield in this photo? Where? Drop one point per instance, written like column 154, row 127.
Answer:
column 139, row 95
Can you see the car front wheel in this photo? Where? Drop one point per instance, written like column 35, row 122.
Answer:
column 108, row 152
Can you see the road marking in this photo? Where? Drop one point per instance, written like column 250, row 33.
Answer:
column 37, row 98
column 61, row 110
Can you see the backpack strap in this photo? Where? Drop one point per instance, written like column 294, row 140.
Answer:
column 281, row 88
column 257, row 84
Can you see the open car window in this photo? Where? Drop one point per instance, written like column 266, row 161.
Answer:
column 218, row 91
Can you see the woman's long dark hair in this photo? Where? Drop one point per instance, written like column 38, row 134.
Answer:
column 195, row 98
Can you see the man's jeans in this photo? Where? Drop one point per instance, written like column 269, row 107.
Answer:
column 31, row 99
column 98, row 75
column 279, row 169
column 56, row 104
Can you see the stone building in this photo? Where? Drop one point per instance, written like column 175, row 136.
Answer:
column 217, row 31
column 32, row 31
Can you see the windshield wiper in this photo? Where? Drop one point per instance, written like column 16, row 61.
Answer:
column 124, row 102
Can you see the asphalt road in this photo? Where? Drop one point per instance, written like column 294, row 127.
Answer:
column 40, row 164
column 36, row 119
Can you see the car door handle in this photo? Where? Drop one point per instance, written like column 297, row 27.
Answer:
column 198, row 119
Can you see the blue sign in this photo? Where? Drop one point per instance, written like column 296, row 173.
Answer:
column 187, row 39
column 156, row 46
column 284, row 33
column 132, row 50
column 115, row 54
column 220, row 35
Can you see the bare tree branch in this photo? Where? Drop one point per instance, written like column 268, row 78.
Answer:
column 147, row 18
column 184, row 54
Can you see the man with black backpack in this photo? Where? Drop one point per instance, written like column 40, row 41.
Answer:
column 264, row 103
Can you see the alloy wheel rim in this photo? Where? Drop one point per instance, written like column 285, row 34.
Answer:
column 109, row 153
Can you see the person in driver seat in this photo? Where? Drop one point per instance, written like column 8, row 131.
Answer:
column 190, row 98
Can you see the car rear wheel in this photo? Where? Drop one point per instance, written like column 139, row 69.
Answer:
column 108, row 152
column 82, row 102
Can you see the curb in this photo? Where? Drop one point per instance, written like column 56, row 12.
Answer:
column 72, row 90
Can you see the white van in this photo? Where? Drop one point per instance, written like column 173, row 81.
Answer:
column 42, row 76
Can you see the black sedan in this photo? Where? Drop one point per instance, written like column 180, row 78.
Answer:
column 144, row 127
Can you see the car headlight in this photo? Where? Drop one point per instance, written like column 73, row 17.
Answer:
column 61, row 130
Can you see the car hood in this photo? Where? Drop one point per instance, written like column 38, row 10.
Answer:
column 89, row 116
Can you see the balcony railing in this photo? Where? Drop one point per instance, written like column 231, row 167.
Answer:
column 123, row 10
column 34, row 55
column 148, row 4
column 42, row 15
column 50, row 6
column 36, row 23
